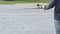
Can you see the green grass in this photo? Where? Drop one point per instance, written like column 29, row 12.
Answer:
column 34, row 1
column 24, row 1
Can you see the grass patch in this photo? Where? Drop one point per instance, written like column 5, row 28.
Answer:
column 7, row 2
column 24, row 1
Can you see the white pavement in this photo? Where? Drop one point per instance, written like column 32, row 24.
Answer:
column 15, row 19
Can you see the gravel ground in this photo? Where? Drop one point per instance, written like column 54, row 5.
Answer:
column 16, row 19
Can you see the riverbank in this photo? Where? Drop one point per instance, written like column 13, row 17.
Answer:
column 19, row 2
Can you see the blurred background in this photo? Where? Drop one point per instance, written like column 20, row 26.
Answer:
column 22, row 1
column 16, row 17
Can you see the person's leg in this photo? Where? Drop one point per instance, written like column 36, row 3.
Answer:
column 57, row 26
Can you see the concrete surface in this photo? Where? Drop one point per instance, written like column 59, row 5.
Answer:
column 15, row 19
